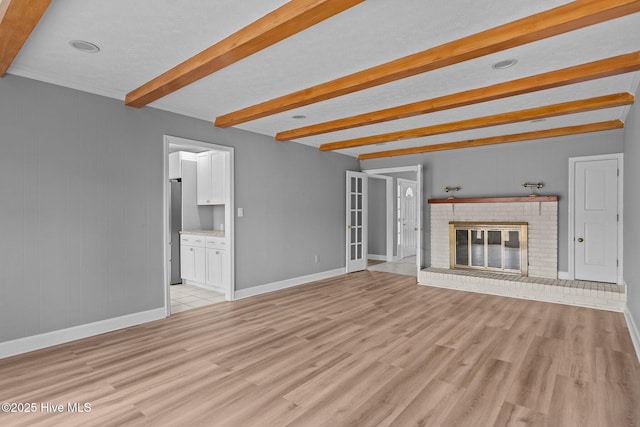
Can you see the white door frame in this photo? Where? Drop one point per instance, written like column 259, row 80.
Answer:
column 388, row 212
column 228, row 212
column 572, row 170
column 418, row 170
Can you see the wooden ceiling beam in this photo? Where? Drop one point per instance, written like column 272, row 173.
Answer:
column 18, row 18
column 571, row 107
column 289, row 19
column 503, row 139
column 580, row 73
column 559, row 20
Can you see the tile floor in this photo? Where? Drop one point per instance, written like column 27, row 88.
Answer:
column 406, row 266
column 187, row 297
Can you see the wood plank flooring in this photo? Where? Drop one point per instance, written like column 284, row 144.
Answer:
column 365, row 349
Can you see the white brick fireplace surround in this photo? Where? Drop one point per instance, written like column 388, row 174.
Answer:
column 541, row 214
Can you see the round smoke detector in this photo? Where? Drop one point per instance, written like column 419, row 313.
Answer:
column 84, row 46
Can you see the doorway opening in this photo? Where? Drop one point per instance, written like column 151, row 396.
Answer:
column 595, row 218
column 198, row 224
column 391, row 220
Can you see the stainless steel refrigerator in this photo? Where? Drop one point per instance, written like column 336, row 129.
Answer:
column 175, row 219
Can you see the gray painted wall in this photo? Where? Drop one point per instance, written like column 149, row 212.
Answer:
column 377, row 210
column 631, row 265
column 81, row 211
column 500, row 170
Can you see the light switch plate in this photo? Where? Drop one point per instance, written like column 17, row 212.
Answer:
column 240, row 212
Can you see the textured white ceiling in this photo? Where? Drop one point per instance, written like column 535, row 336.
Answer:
column 142, row 39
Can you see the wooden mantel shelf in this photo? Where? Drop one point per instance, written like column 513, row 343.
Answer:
column 496, row 199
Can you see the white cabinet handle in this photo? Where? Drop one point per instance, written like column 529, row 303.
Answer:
column 191, row 249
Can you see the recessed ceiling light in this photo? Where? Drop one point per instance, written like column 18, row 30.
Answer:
column 537, row 120
column 501, row 65
column 299, row 117
column 84, row 46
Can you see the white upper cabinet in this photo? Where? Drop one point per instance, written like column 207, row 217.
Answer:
column 175, row 163
column 203, row 182
column 212, row 185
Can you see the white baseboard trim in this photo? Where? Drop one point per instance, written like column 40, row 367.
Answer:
column 633, row 330
column 48, row 339
column 377, row 257
column 289, row 283
column 563, row 275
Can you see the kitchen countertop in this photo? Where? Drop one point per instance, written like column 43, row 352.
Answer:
column 211, row 233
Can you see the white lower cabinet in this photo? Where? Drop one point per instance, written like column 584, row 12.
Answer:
column 204, row 261
column 216, row 263
column 215, row 267
column 192, row 258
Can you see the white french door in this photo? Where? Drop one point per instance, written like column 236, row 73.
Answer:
column 595, row 233
column 356, row 221
column 408, row 217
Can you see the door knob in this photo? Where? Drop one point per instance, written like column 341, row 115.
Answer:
column 580, row 240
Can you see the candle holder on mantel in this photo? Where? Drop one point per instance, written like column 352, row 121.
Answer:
column 451, row 190
column 533, row 188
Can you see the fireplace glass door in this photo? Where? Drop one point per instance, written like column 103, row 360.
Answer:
column 489, row 246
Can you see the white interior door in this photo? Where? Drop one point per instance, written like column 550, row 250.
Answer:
column 408, row 217
column 596, row 220
column 356, row 221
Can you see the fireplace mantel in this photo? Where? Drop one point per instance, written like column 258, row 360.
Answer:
column 535, row 199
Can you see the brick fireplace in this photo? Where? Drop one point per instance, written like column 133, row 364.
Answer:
column 538, row 281
column 539, row 213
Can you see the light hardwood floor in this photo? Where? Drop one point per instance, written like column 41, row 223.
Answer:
column 366, row 349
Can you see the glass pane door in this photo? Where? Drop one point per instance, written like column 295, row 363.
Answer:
column 494, row 249
column 512, row 251
column 477, row 248
column 356, row 221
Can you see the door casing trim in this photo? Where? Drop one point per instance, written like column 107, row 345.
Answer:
column 418, row 169
column 571, row 232
column 229, row 212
